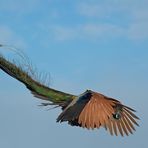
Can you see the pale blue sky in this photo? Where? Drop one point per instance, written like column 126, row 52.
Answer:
column 88, row 44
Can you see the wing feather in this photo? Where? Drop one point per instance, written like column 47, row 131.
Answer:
column 109, row 125
column 127, row 125
column 130, row 116
column 96, row 112
column 129, row 122
column 123, row 126
column 115, row 128
column 119, row 128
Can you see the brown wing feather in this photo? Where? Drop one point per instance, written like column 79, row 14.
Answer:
column 115, row 128
column 99, row 112
column 96, row 112
column 109, row 126
column 124, row 128
column 125, row 124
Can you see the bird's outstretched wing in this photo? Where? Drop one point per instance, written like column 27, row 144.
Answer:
column 93, row 110
column 89, row 110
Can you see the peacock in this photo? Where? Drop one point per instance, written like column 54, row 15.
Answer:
column 90, row 110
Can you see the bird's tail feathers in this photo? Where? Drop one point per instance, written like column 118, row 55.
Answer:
column 24, row 72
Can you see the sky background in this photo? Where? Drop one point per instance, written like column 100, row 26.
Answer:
column 89, row 44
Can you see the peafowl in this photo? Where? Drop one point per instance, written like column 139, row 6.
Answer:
column 88, row 110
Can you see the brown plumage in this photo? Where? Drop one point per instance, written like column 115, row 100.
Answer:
column 94, row 110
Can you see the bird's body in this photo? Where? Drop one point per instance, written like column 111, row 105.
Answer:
column 94, row 110
column 89, row 110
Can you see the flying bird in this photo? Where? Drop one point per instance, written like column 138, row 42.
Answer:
column 89, row 110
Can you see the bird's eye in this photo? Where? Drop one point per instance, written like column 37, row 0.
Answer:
column 117, row 116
